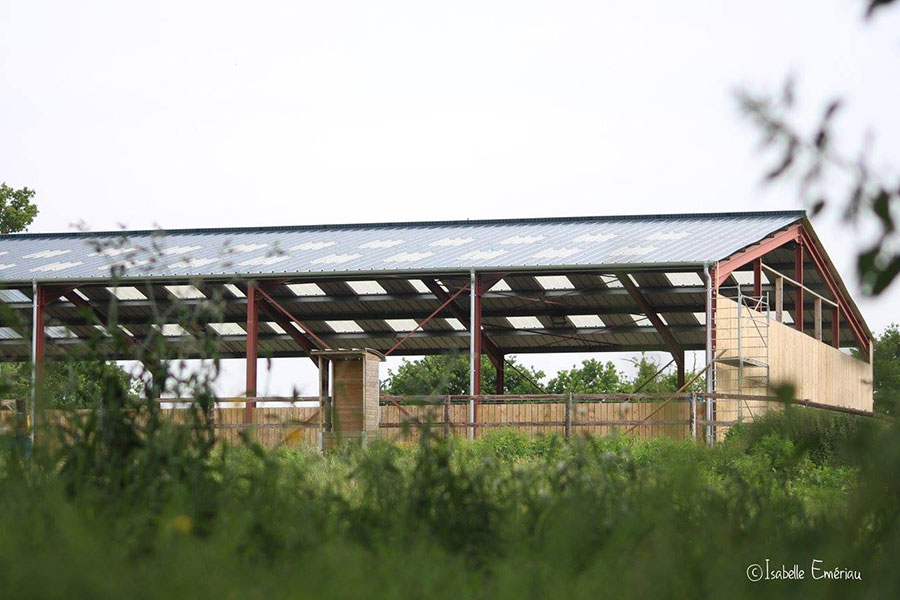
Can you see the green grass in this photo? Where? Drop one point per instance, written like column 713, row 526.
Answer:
column 162, row 515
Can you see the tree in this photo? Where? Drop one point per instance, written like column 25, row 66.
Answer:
column 886, row 371
column 449, row 374
column 17, row 211
column 592, row 377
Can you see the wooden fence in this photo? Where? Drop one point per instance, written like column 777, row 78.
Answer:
column 297, row 422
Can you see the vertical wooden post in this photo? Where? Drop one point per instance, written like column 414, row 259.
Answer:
column 252, row 352
column 798, row 295
column 325, row 393
column 836, row 327
column 757, row 278
column 693, row 400
column 779, row 299
column 447, row 416
column 679, row 367
column 569, row 415
column 817, row 319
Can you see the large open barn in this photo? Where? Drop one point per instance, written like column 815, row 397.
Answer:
column 756, row 292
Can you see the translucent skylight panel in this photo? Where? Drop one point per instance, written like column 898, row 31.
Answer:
column 632, row 251
column 482, row 254
column 227, row 329
column 305, row 289
column 8, row 333
column 184, row 292
column 522, row 239
column 275, row 327
column 80, row 294
column 611, row 281
column 525, row 322
column 555, row 282
column 171, row 330
column 556, row 253
column 455, row 324
column 381, row 244
column 55, row 266
column 701, row 317
column 13, row 296
column 335, row 259
column 366, row 288
column 451, row 241
column 126, row 293
column 402, row 324
column 419, row 286
column 683, row 279
column 404, row 257
column 264, row 261
column 102, row 329
column 500, row 286
column 235, row 290
column 584, row 321
column 59, row 332
column 746, row 277
column 312, row 245
column 595, row 237
column 46, row 254
column 345, row 326
column 641, row 320
column 244, row 248
column 126, row 331
column 176, row 250
column 667, row 236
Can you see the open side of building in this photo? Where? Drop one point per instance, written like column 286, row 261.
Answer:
column 755, row 291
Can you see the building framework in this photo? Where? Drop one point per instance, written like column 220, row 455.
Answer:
column 494, row 288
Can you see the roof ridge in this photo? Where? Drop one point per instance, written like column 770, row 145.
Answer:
column 396, row 224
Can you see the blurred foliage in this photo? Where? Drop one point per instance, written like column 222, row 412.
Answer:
column 811, row 157
column 67, row 384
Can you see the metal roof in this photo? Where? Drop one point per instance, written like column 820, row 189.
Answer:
column 386, row 248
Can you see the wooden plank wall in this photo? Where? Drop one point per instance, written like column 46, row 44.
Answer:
column 819, row 372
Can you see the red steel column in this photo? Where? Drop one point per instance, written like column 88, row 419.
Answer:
column 798, row 295
column 757, row 278
column 500, row 383
column 252, row 351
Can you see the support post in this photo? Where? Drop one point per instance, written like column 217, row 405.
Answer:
column 474, row 351
column 38, row 307
column 679, row 367
column 693, row 400
column 798, row 294
column 569, row 415
column 324, row 392
column 446, row 416
column 711, row 368
column 779, row 299
column 817, row 319
column 252, row 352
column 757, row 278
column 836, row 327
column 499, row 384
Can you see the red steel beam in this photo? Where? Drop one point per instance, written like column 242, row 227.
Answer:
column 758, row 250
column 319, row 342
column 499, row 383
column 822, row 266
column 252, row 351
column 39, row 317
column 490, row 348
column 427, row 319
column 665, row 333
column 798, row 292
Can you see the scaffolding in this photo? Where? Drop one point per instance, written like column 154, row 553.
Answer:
column 741, row 366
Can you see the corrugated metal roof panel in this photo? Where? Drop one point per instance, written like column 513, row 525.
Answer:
column 386, row 248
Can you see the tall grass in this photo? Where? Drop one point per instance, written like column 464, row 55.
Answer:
column 505, row 516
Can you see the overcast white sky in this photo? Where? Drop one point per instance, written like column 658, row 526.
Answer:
column 200, row 114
